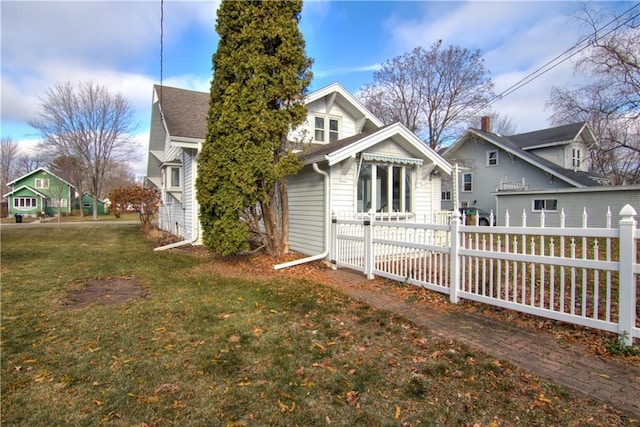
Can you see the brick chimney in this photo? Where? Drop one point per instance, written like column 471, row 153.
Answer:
column 485, row 123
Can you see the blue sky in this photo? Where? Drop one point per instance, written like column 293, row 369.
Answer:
column 117, row 44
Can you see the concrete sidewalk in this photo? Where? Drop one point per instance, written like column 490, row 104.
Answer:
column 566, row 364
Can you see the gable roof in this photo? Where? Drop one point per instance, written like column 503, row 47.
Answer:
column 340, row 150
column 43, row 170
column 184, row 111
column 507, row 143
column 338, row 94
column 22, row 187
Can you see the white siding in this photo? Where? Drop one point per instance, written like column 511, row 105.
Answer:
column 306, row 212
column 188, row 193
column 347, row 122
column 176, row 215
column 423, row 193
column 343, row 186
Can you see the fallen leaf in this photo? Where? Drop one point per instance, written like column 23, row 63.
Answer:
column 396, row 416
column 542, row 398
column 353, row 398
column 604, row 376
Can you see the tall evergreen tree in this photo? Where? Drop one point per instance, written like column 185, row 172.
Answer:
column 261, row 74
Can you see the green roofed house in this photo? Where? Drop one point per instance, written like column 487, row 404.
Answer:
column 39, row 193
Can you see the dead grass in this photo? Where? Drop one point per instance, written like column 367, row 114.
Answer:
column 230, row 342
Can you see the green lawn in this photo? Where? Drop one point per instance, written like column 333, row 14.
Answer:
column 207, row 350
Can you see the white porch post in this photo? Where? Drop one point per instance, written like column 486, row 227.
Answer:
column 454, row 258
column 627, row 284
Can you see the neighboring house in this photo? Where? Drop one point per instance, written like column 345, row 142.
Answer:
column 39, row 192
column 87, row 204
column 574, row 203
column 548, row 159
column 352, row 164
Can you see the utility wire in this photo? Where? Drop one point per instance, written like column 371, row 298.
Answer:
column 549, row 65
column 161, row 44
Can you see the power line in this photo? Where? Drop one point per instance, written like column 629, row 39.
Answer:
column 161, row 43
column 549, row 65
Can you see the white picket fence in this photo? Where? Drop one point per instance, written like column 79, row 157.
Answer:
column 586, row 276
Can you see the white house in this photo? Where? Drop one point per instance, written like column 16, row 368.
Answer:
column 352, row 164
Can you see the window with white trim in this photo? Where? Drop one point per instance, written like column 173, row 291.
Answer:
column 42, row 183
column 324, row 126
column 547, row 205
column 384, row 188
column 492, row 158
column 446, row 196
column 467, row 182
column 173, row 178
column 576, row 158
column 25, row 202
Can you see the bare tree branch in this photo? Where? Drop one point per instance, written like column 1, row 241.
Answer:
column 432, row 92
column 88, row 123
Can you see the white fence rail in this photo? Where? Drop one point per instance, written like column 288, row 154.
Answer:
column 585, row 276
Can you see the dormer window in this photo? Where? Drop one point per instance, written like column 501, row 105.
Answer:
column 326, row 129
column 576, row 158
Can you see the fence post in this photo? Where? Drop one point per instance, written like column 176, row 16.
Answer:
column 627, row 285
column 368, row 247
column 454, row 258
column 334, row 239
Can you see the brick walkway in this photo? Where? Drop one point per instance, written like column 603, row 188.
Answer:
column 568, row 365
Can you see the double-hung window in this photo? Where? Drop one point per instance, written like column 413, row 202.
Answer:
column 384, row 188
column 576, row 157
column 467, row 182
column 492, row 158
column 326, row 129
column 42, row 183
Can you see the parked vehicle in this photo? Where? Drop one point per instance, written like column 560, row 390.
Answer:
column 484, row 216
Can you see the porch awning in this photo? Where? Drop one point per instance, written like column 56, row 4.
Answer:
column 391, row 159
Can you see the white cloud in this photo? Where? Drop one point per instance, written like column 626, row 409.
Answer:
column 515, row 39
column 112, row 44
column 346, row 70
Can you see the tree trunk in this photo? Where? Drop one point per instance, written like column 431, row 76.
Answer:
column 94, row 202
column 284, row 212
column 275, row 217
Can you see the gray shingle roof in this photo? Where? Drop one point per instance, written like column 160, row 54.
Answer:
column 547, row 136
column 185, row 111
